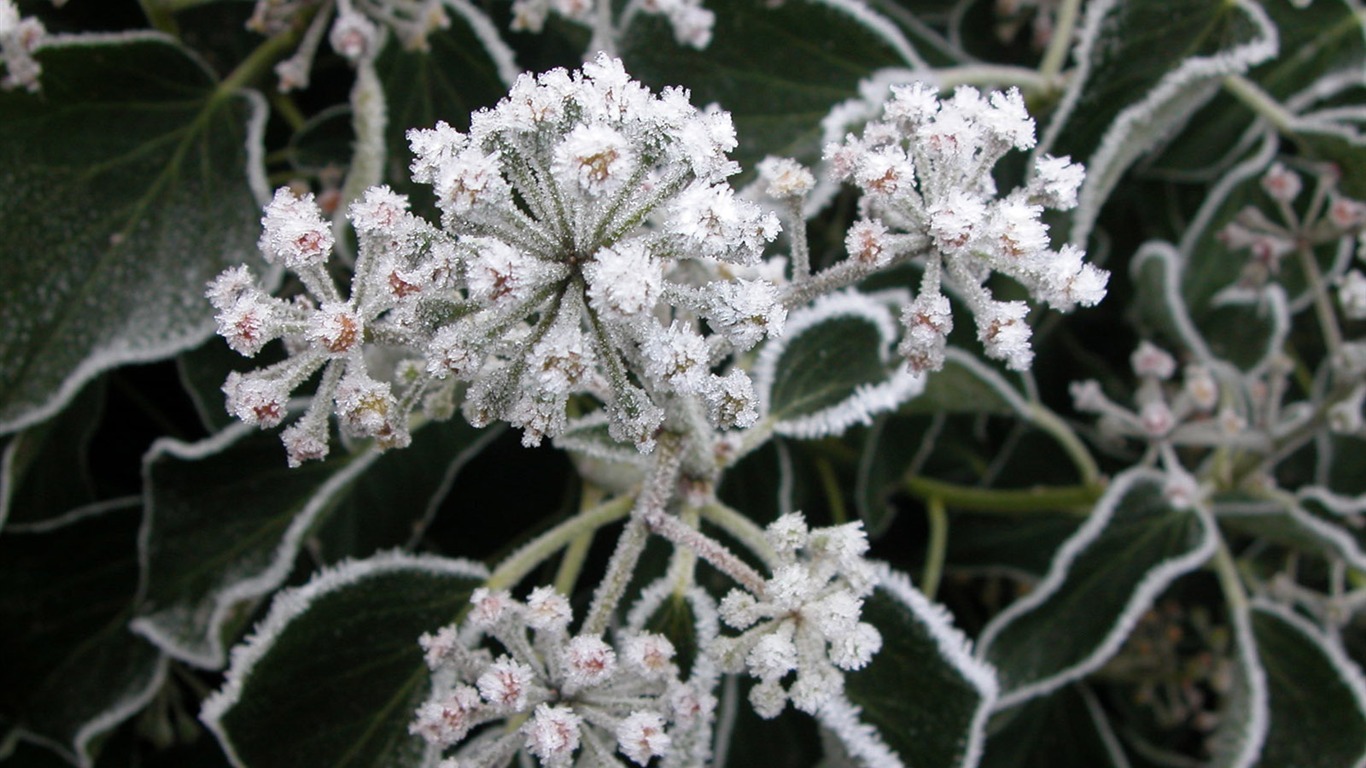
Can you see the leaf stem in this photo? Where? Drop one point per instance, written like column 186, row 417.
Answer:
column 1074, row 499
column 1229, row 581
column 571, row 563
column 1048, row 421
column 529, row 557
column 1323, row 305
column 992, row 75
column 1061, row 43
column 937, row 547
column 257, row 63
column 1260, row 102
column 740, row 528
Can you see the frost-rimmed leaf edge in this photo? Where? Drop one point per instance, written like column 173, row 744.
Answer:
column 1153, row 582
column 250, row 588
column 866, row 401
column 862, row 741
column 255, row 173
column 119, row 711
column 292, row 603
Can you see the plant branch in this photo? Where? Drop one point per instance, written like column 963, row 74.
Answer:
column 1074, row 499
column 936, row 548
column 538, row 550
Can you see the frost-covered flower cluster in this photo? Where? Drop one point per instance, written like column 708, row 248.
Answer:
column 805, row 620
column 584, row 225
column 354, row 30
column 551, row 695
column 19, row 38
column 925, row 171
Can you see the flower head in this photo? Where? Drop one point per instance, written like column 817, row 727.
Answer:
column 925, row 171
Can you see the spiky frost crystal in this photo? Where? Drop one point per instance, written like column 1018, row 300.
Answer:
column 568, row 212
column 925, row 172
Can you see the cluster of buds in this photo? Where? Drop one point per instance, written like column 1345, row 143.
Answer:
column 692, row 24
column 585, row 223
column 19, row 38
column 925, row 171
column 353, row 29
column 1198, row 411
column 551, row 695
column 1327, row 218
column 805, row 619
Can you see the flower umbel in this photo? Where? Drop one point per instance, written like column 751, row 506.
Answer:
column 584, row 224
column 924, row 170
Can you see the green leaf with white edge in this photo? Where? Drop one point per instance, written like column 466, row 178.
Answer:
column 1144, row 67
column 334, row 672
column 114, row 233
column 832, row 368
column 1317, row 696
column 43, row 469
column 465, row 67
column 924, row 699
column 224, row 521
column 1102, row 579
column 814, row 54
column 1322, row 39
column 73, row 671
column 1065, row 729
column 1243, row 713
column 1021, row 546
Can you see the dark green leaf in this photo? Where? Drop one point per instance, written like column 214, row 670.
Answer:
column 813, row 56
column 1317, row 696
column 1318, row 39
column 113, row 234
column 1132, row 546
column 224, row 521
column 924, row 693
column 832, row 368
column 1146, row 65
column 44, row 471
column 72, row 669
column 333, row 675
column 1065, row 729
column 460, row 72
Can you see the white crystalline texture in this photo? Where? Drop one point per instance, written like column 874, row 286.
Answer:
column 785, row 178
column 552, row 734
column 641, row 737
column 353, row 36
column 548, row 610
column 731, row 401
column 746, row 311
column 504, row 684
column 295, row 233
column 925, row 171
column 1352, row 295
column 648, row 654
column 624, row 281
column 19, row 38
column 588, row 662
column 676, row 357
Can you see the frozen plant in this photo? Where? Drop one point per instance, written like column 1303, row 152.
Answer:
column 563, row 309
column 925, row 172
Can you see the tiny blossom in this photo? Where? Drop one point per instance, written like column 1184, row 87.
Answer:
column 19, row 39
column 1281, row 183
column 806, row 619
column 584, row 225
column 1352, row 295
column 563, row 691
column 785, row 178
column 1151, row 360
column 924, row 169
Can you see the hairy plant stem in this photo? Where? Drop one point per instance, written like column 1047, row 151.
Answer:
column 742, row 529
column 686, row 537
column 257, row 64
column 1323, row 304
column 1061, row 43
column 1072, row 499
column 683, row 562
column 538, row 550
column 1230, row 582
column 654, row 498
column 936, row 548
